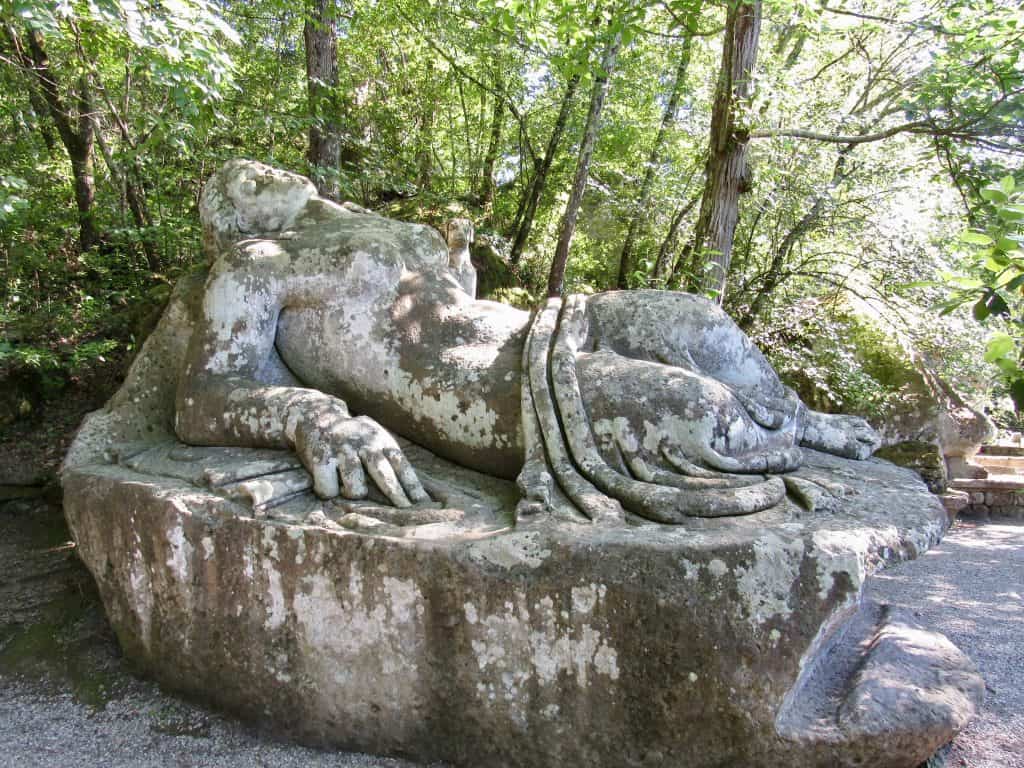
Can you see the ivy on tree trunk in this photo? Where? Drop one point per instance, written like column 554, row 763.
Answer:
column 727, row 174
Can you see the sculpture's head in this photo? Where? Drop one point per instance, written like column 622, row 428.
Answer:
column 459, row 234
column 245, row 199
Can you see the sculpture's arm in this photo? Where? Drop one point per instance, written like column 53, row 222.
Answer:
column 220, row 401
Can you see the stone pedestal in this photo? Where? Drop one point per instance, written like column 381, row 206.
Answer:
column 739, row 641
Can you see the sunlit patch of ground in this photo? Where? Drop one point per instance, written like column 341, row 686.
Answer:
column 970, row 588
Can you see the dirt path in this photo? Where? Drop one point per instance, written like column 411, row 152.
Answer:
column 971, row 588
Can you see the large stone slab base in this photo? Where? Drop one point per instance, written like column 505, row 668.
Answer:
column 739, row 641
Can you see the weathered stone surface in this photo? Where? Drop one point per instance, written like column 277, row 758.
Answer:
column 454, row 632
column 546, row 643
column 924, row 458
column 313, row 312
column 932, row 411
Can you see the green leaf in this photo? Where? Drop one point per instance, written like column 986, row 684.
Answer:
column 1007, row 184
column 1017, row 393
column 997, row 262
column 1008, row 367
column 993, row 195
column 1000, row 345
column 975, row 238
column 962, row 281
column 1007, row 244
column 980, row 311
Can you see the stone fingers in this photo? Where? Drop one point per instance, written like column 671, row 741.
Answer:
column 340, row 451
column 384, row 476
column 325, row 479
column 323, row 468
column 350, row 469
column 406, row 476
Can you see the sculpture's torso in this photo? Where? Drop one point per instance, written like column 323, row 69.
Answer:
column 393, row 334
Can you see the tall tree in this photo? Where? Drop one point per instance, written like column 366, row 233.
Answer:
column 727, row 174
column 598, row 94
column 654, row 159
column 75, row 125
column 535, row 188
column 321, row 39
column 774, row 274
column 493, row 147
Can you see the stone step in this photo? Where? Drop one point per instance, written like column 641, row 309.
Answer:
column 999, row 495
column 994, row 483
column 883, row 677
column 1001, row 465
column 1002, row 449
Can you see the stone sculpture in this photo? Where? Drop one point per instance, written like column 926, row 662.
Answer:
column 656, row 398
column 258, row 545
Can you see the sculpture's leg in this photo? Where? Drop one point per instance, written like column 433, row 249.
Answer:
column 649, row 492
column 665, row 417
column 691, row 333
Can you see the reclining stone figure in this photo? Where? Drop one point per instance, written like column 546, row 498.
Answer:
column 313, row 311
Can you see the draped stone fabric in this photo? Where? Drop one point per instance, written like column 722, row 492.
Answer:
column 561, row 446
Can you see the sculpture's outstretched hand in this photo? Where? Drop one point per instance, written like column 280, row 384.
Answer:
column 848, row 436
column 340, row 450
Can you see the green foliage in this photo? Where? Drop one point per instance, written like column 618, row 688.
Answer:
column 11, row 190
column 994, row 283
column 178, row 87
column 837, row 362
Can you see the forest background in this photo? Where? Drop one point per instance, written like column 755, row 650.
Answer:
column 841, row 175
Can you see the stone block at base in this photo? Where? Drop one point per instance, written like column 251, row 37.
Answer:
column 734, row 641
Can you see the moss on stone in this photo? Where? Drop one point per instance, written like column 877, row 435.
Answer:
column 923, row 458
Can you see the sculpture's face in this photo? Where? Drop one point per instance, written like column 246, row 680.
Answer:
column 266, row 199
column 459, row 233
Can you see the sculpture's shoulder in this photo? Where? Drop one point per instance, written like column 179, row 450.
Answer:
column 253, row 214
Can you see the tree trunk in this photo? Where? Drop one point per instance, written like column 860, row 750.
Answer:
column 85, row 193
column 533, row 192
column 135, row 196
column 639, row 217
column 324, row 153
column 664, row 266
column 727, row 174
column 493, row 147
column 424, row 146
column 77, row 139
column 40, row 111
column 572, row 208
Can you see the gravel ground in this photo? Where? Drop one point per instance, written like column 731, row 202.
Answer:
column 971, row 588
column 143, row 729
column 67, row 698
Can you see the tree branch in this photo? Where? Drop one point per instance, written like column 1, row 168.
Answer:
column 916, row 126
